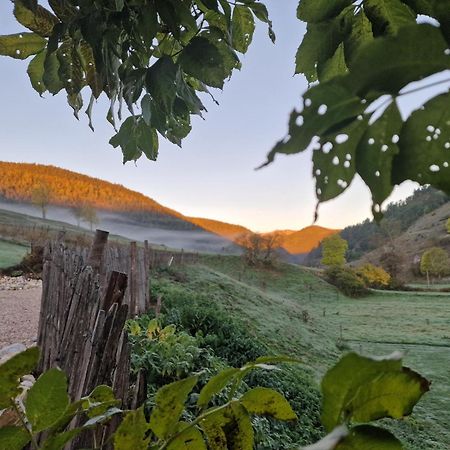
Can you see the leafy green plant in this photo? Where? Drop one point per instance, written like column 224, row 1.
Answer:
column 156, row 56
column 364, row 55
column 46, row 406
column 346, row 280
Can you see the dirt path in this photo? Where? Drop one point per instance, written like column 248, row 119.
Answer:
column 20, row 302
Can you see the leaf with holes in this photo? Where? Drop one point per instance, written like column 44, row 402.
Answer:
column 334, row 160
column 47, row 400
column 12, row 370
column 267, row 402
column 326, row 106
column 21, row 45
column 131, row 433
column 313, row 11
column 170, row 400
column 36, row 18
column 351, row 390
column 425, row 145
column 375, row 154
column 243, row 28
column 36, row 72
column 388, row 16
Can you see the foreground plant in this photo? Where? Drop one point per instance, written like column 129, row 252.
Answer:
column 356, row 391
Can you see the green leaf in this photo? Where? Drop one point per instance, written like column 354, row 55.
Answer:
column 58, row 441
column 277, row 359
column 209, row 58
column 243, row 28
column 368, row 437
column 260, row 11
column 351, row 385
column 103, row 418
column 189, row 439
column 333, row 67
column 425, row 145
column 320, row 43
column 313, row 11
column 70, row 69
column 360, row 33
column 36, row 72
column 326, row 106
column 146, row 107
column 388, row 64
column 51, row 74
column 388, row 16
column 215, row 385
column 126, row 139
column 375, row 153
column 161, row 82
column 147, row 140
column 264, row 401
column 47, row 400
column 169, row 404
column 99, row 401
column 36, row 18
column 63, row 9
column 131, row 433
column 21, row 45
column 93, row 78
column 334, row 161
column 12, row 370
column 390, row 394
column 13, row 438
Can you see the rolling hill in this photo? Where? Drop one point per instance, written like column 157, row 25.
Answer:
column 129, row 213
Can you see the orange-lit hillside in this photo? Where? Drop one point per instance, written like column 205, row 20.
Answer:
column 18, row 180
column 226, row 230
column 69, row 189
column 305, row 240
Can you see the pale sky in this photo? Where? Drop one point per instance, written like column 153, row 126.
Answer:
column 213, row 174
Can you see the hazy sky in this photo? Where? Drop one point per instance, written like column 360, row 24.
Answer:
column 213, row 174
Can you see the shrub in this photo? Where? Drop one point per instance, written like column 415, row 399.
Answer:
column 373, row 276
column 347, row 281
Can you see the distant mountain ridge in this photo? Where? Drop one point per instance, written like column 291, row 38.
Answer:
column 127, row 207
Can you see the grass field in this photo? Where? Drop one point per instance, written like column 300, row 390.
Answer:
column 297, row 313
column 11, row 253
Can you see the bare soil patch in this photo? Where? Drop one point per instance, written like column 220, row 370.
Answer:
column 20, row 301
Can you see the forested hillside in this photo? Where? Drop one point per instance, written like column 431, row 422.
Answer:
column 19, row 182
column 398, row 218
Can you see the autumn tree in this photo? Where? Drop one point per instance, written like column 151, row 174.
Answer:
column 435, row 262
column 259, row 248
column 41, row 197
column 373, row 276
column 333, row 250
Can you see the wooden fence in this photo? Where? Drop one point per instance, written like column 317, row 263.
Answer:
column 87, row 296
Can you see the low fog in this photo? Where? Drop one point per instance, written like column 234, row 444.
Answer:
column 122, row 224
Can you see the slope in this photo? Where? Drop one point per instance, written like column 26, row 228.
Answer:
column 294, row 312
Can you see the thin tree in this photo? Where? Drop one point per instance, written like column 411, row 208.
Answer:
column 334, row 248
column 89, row 215
column 41, row 197
column 435, row 262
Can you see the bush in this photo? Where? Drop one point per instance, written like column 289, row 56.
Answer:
column 347, row 281
column 373, row 276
